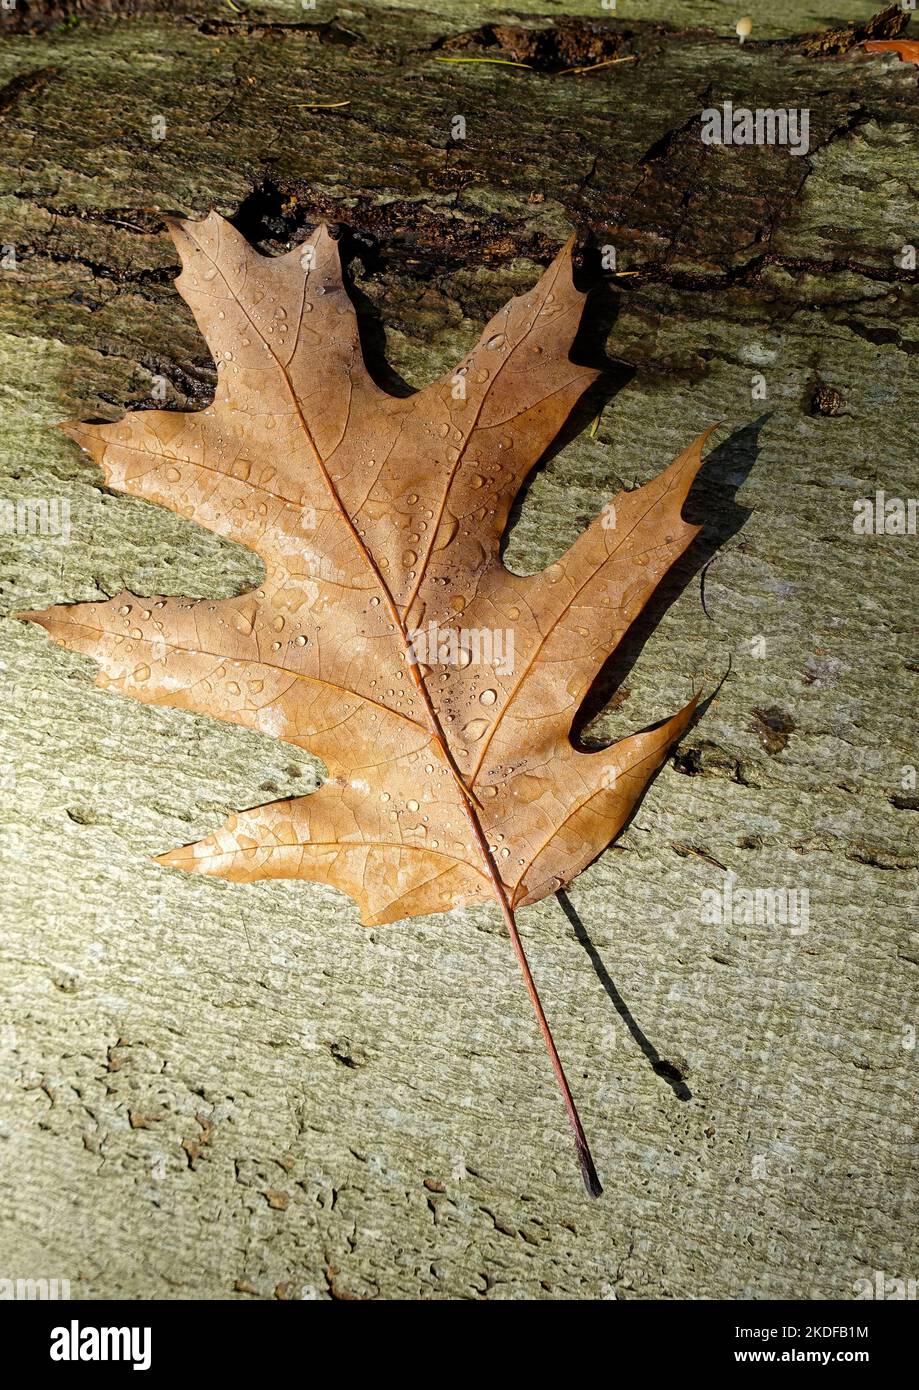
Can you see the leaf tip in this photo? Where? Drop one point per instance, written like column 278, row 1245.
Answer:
column 186, row 233
column 181, row 858
column 175, row 226
column 72, row 428
column 682, row 719
column 564, row 260
column 41, row 617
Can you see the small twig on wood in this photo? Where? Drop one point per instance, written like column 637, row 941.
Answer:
column 592, row 67
column 504, row 62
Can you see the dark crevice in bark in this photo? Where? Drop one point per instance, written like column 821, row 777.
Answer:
column 25, row 85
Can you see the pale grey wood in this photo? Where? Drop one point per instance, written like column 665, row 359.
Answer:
column 218, row 1091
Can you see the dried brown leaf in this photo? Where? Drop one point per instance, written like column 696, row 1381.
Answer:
column 379, row 520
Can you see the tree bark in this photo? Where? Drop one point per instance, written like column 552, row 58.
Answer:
column 216, row 1091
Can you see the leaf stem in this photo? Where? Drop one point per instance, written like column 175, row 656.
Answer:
column 585, row 1158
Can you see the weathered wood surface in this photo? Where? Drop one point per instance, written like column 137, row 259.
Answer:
column 218, row 1091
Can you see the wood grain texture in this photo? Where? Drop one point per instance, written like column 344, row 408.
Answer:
column 215, row 1090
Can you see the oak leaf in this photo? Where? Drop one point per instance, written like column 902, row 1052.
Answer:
column 388, row 638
